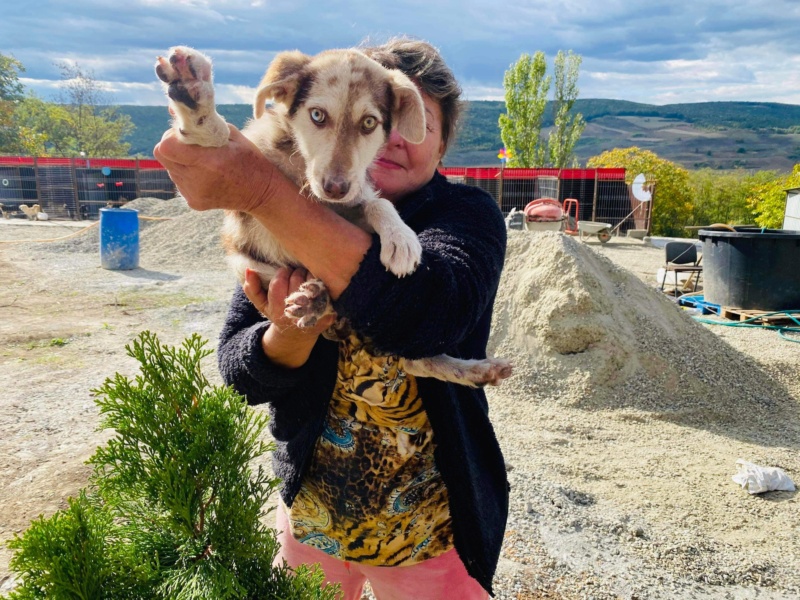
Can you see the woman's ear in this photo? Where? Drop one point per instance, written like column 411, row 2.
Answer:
column 281, row 81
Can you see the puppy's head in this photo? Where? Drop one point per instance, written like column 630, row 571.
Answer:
column 341, row 106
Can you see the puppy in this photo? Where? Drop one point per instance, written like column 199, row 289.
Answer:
column 331, row 115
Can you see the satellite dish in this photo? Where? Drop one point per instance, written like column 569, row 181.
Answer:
column 638, row 189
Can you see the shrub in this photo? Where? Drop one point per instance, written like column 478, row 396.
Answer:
column 174, row 510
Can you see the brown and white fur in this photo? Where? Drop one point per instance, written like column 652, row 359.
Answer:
column 332, row 114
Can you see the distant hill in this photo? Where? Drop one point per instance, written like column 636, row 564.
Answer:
column 719, row 135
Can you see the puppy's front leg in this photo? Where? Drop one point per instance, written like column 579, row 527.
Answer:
column 188, row 81
column 401, row 251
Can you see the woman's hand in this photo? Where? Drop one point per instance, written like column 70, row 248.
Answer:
column 283, row 343
column 236, row 176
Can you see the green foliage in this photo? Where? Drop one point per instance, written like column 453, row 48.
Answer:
column 767, row 198
column 77, row 555
column 94, row 127
column 10, row 87
column 44, row 129
column 10, row 95
column 567, row 127
column 721, row 197
column 99, row 131
column 526, row 88
column 177, row 511
column 672, row 199
column 81, row 123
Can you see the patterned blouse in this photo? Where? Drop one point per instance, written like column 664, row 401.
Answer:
column 373, row 494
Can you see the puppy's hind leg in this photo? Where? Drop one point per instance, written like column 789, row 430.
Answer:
column 188, row 82
column 469, row 372
column 309, row 304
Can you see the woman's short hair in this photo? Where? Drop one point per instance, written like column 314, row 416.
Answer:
column 423, row 63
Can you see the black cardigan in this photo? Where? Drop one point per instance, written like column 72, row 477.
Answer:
column 445, row 306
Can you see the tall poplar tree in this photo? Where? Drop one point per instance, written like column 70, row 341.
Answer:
column 526, row 87
column 567, row 127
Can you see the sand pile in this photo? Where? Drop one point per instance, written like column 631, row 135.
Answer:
column 155, row 207
column 171, row 236
column 586, row 333
column 190, row 242
column 624, row 420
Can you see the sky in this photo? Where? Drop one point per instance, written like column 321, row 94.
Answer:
column 654, row 52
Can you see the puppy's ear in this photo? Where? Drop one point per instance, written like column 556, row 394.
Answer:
column 281, row 81
column 408, row 112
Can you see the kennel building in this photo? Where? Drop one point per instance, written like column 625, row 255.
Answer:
column 77, row 188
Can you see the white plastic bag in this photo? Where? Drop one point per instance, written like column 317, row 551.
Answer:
column 757, row 480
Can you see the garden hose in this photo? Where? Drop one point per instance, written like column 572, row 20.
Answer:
column 781, row 329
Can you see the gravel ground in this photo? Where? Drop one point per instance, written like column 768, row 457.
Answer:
column 622, row 423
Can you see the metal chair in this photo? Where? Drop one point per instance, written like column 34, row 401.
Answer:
column 681, row 258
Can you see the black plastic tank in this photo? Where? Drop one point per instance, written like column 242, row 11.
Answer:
column 752, row 268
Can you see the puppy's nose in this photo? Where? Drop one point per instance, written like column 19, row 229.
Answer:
column 335, row 187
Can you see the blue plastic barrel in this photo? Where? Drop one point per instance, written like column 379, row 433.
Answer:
column 119, row 238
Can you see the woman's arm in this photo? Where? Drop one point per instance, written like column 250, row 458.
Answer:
column 237, row 176
column 283, row 342
column 248, row 338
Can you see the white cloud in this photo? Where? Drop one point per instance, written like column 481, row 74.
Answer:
column 235, row 94
column 475, row 91
column 660, row 51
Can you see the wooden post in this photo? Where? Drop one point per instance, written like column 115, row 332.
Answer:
column 75, row 190
column 594, row 196
column 650, row 207
column 36, row 178
column 136, row 179
column 558, row 186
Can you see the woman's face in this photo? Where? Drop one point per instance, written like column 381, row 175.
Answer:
column 402, row 167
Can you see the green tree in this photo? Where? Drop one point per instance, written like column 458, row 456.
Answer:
column 526, row 87
column 722, row 197
column 672, row 199
column 96, row 128
column 11, row 93
column 767, row 199
column 176, row 511
column 567, row 128
column 43, row 129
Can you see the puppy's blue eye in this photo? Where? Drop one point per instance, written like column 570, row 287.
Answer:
column 317, row 115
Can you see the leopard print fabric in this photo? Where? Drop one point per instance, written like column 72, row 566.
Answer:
column 373, row 494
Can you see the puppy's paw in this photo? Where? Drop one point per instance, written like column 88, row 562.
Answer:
column 308, row 304
column 401, row 251
column 489, row 371
column 187, row 76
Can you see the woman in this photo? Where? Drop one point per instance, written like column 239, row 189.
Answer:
column 386, row 478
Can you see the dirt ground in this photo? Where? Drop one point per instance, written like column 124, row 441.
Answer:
column 65, row 321
column 64, row 325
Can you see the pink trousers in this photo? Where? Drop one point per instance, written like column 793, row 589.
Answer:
column 440, row 578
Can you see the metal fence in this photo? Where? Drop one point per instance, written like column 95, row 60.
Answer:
column 70, row 188
column 602, row 194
